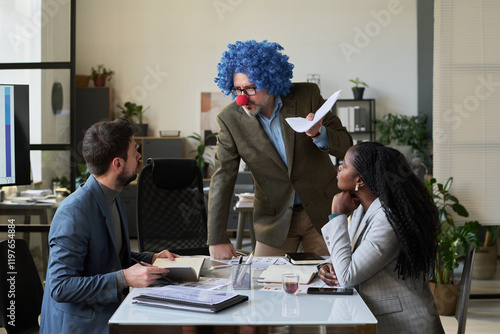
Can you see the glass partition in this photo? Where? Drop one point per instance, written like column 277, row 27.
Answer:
column 49, row 103
column 35, row 31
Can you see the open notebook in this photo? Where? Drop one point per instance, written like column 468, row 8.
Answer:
column 183, row 269
column 273, row 273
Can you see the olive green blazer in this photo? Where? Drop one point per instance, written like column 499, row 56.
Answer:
column 310, row 172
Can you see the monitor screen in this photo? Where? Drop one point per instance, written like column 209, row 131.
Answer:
column 14, row 135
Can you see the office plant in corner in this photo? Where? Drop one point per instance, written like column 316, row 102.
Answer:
column 406, row 133
column 453, row 242
column 201, row 154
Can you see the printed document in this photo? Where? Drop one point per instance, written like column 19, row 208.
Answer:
column 300, row 124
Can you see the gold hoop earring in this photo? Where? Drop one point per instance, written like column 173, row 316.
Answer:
column 356, row 188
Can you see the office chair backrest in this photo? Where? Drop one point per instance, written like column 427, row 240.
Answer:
column 464, row 293
column 171, row 210
column 22, row 291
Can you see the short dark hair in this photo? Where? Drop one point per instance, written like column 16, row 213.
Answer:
column 104, row 141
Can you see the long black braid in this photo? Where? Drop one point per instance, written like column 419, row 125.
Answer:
column 407, row 204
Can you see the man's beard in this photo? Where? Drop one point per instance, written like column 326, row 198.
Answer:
column 123, row 179
column 258, row 107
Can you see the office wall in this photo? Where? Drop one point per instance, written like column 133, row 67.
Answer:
column 165, row 52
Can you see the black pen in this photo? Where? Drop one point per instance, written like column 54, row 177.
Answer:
column 163, row 277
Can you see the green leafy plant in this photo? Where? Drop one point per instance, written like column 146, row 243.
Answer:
column 452, row 240
column 358, row 82
column 200, row 150
column 405, row 130
column 101, row 71
column 63, row 181
column 83, row 174
column 131, row 110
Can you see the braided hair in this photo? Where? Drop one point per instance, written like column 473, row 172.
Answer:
column 407, row 204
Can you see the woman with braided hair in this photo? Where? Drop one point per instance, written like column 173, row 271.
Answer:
column 390, row 247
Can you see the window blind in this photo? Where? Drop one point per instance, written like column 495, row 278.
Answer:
column 466, row 104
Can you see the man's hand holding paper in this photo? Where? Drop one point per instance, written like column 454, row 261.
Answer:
column 311, row 125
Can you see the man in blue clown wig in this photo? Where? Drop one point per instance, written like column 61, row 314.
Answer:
column 294, row 177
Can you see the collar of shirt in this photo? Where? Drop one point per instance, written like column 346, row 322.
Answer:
column 109, row 193
column 272, row 127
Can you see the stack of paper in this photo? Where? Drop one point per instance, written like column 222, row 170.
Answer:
column 190, row 299
column 245, row 200
column 36, row 192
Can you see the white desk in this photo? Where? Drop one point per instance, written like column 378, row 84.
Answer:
column 264, row 312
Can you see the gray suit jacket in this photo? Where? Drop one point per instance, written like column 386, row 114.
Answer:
column 310, row 172
column 400, row 306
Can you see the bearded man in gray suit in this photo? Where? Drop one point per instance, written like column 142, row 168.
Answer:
column 294, row 177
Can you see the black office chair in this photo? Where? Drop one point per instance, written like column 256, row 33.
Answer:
column 171, row 210
column 19, row 276
column 464, row 292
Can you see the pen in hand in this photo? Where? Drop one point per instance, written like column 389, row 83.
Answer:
column 162, row 277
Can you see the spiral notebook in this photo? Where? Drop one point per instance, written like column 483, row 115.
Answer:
column 189, row 299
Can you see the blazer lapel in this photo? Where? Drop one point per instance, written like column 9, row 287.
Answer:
column 259, row 137
column 289, row 109
column 101, row 200
column 359, row 232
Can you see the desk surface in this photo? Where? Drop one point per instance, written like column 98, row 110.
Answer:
column 264, row 308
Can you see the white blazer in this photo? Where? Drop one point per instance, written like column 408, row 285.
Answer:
column 400, row 306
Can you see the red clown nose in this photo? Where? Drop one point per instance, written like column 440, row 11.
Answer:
column 241, row 100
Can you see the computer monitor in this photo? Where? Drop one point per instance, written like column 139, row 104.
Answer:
column 14, row 135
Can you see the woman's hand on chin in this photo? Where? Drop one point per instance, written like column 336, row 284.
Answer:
column 345, row 202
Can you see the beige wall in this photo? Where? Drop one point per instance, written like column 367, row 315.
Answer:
column 165, row 52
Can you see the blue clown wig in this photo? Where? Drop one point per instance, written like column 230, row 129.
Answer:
column 264, row 65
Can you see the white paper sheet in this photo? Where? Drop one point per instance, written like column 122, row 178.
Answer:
column 300, row 124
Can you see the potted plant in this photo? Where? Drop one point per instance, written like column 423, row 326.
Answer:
column 357, row 90
column 101, row 75
column 453, row 241
column 130, row 111
column 485, row 259
column 201, row 155
column 406, row 133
